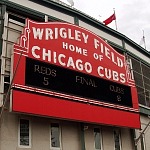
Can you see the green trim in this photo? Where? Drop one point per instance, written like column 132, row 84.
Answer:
column 133, row 135
column 136, row 46
column 144, row 110
column 123, row 45
column 76, row 20
column 124, row 49
column 142, row 143
column 3, row 9
column 23, row 10
column 138, row 58
column 116, row 46
column 82, row 137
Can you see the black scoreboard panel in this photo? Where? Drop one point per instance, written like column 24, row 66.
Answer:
column 55, row 78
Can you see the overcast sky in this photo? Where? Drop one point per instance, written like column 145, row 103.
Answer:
column 132, row 16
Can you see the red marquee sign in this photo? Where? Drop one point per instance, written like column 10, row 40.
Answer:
column 61, row 68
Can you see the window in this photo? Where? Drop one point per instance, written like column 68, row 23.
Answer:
column 24, row 133
column 141, row 73
column 55, row 136
column 97, row 139
column 117, row 139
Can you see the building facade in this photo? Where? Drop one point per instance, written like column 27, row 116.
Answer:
column 36, row 117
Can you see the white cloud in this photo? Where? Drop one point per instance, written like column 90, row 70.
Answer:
column 132, row 16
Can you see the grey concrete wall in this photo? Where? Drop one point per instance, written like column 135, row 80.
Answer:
column 70, row 134
column 146, row 134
